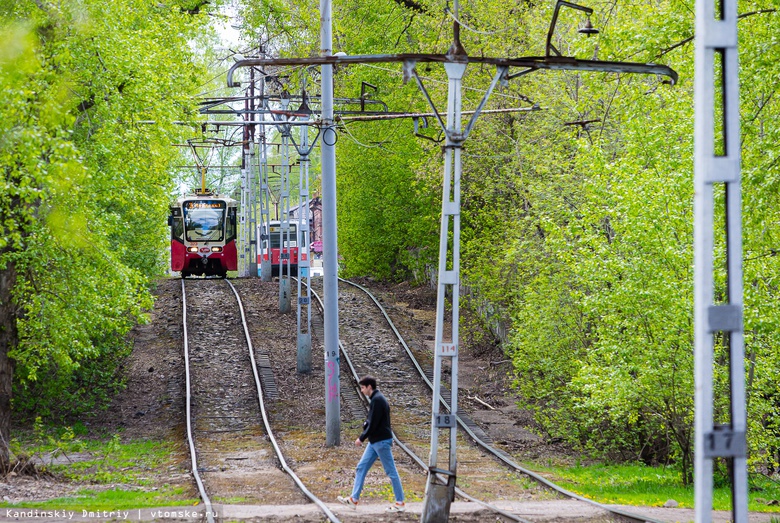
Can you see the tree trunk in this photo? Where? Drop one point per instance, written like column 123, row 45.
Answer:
column 8, row 341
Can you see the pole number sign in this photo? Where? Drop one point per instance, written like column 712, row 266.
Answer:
column 725, row 443
column 445, row 421
column 447, row 349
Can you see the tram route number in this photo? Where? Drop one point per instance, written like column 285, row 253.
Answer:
column 445, row 421
column 724, row 443
column 304, row 300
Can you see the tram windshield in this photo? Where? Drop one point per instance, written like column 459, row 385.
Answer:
column 204, row 220
column 276, row 231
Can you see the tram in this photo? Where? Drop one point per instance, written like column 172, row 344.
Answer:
column 203, row 235
column 280, row 246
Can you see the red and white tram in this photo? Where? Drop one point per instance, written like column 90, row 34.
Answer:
column 281, row 247
column 203, row 235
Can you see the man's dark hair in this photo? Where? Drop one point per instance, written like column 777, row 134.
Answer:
column 368, row 381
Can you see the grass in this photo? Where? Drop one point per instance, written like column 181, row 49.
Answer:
column 120, row 475
column 111, row 500
column 652, row 486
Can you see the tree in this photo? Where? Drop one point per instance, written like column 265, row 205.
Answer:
column 85, row 188
column 577, row 220
column 27, row 153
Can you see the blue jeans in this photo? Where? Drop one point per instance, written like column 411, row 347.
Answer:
column 384, row 451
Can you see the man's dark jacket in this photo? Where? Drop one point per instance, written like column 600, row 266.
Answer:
column 377, row 424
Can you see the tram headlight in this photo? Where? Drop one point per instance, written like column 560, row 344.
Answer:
column 216, row 249
column 192, row 249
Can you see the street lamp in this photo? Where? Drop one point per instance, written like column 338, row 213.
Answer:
column 587, row 29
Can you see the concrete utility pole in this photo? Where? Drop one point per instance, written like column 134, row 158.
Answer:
column 717, row 168
column 330, row 282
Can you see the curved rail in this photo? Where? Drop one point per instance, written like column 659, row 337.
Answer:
column 495, row 452
column 409, row 451
column 331, row 516
column 190, row 441
column 266, row 423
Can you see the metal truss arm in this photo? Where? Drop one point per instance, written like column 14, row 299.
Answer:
column 501, row 72
column 528, row 62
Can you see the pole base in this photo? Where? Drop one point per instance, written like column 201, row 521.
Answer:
column 304, row 353
column 438, row 498
column 265, row 271
column 284, row 295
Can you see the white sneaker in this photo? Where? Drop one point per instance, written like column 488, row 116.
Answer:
column 397, row 507
column 348, row 501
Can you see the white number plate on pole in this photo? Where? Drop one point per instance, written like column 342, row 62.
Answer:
column 447, row 349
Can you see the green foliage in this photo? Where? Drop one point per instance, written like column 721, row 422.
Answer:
column 86, row 186
column 577, row 219
column 112, row 500
column 385, row 226
column 600, row 299
column 636, row 484
column 105, row 461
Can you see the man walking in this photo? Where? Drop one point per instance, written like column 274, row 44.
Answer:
column 377, row 430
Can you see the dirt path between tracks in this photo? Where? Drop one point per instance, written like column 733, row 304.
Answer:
column 152, row 407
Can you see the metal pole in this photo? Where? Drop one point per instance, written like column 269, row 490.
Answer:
column 284, row 218
column 330, row 283
column 263, row 236
column 717, row 161
column 439, row 495
column 252, row 182
column 304, row 277
column 243, row 266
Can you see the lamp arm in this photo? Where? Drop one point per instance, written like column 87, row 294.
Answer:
column 587, row 10
column 549, row 47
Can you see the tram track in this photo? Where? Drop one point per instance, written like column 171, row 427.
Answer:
column 407, row 394
column 372, row 345
column 423, row 373
column 233, row 450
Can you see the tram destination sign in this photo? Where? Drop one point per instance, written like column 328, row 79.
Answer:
column 204, row 204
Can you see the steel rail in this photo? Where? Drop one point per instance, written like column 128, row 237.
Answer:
column 407, row 450
column 497, row 453
column 201, row 489
column 190, row 441
column 331, row 516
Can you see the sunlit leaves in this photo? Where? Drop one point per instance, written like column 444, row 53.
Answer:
column 86, row 184
column 577, row 219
